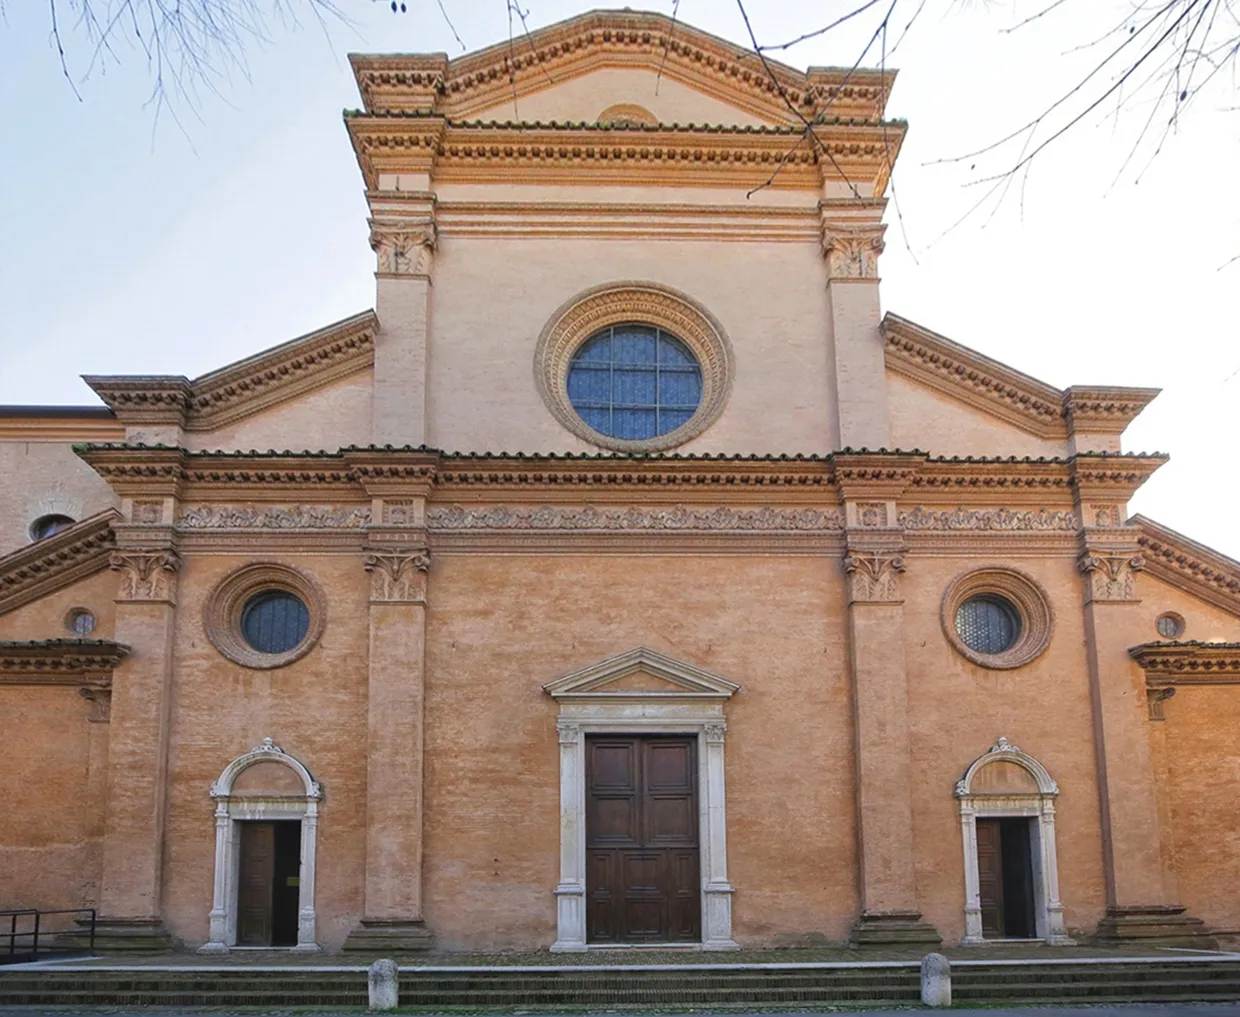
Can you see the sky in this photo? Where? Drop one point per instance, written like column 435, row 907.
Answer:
column 176, row 241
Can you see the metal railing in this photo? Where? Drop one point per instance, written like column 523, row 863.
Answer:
column 24, row 943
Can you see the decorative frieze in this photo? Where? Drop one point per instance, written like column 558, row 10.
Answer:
column 404, row 247
column 852, row 250
column 275, row 517
column 676, row 518
column 872, row 577
column 398, row 577
column 146, row 575
column 1110, row 577
column 1000, row 519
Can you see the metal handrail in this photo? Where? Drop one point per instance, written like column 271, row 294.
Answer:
column 13, row 935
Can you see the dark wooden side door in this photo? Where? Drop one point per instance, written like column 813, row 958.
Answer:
column 642, row 856
column 255, row 885
column 990, row 877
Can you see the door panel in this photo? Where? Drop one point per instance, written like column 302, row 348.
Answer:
column 990, row 877
column 642, row 857
column 257, row 876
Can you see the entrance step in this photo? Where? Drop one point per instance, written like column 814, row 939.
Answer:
column 974, row 982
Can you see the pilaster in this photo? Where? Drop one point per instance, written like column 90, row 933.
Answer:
column 1140, row 897
column 852, row 240
column 129, row 896
column 398, row 562
column 403, row 236
column 874, row 561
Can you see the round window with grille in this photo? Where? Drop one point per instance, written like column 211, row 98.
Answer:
column 988, row 623
column 265, row 615
column 997, row 617
column 275, row 622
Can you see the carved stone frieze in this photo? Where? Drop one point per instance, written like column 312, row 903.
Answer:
column 1110, row 577
column 872, row 577
column 147, row 513
column 1001, row 519
column 852, row 250
column 872, row 513
column 146, row 575
column 398, row 577
column 404, row 247
column 281, row 517
column 678, row 518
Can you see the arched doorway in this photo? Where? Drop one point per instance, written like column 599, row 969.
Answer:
column 266, row 828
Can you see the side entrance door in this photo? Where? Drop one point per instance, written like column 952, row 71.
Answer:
column 268, row 890
column 642, row 853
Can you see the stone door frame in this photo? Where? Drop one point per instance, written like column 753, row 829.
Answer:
column 1040, row 805
column 232, row 809
column 692, row 704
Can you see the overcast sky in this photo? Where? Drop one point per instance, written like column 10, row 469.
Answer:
column 130, row 245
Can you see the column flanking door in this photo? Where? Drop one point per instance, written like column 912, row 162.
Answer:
column 642, row 848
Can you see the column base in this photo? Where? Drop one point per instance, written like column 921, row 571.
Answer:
column 1154, row 925
column 388, row 936
column 120, row 935
column 892, row 928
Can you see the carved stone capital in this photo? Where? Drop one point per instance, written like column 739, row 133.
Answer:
column 714, row 733
column 569, row 732
column 852, row 250
column 398, row 577
column 1109, row 576
column 872, row 577
column 146, row 575
column 100, row 701
column 404, row 247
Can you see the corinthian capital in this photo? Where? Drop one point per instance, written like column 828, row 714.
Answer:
column 1110, row 576
column 852, row 250
column 398, row 577
column 872, row 577
column 404, row 246
column 146, row 575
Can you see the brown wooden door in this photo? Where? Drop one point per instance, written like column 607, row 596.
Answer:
column 257, row 879
column 642, row 883
column 990, row 877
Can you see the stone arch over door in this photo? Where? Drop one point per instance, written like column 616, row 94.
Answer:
column 1007, row 782
column 264, row 784
column 642, row 692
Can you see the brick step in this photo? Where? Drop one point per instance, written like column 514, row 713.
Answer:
column 1080, row 990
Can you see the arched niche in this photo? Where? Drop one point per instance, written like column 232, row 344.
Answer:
column 1008, row 782
column 264, row 784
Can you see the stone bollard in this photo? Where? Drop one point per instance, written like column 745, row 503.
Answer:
column 384, row 986
column 936, row 980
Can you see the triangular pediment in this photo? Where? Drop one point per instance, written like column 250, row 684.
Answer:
column 531, row 62
column 55, row 562
column 641, row 674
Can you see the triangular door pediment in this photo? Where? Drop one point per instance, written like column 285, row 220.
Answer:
column 640, row 674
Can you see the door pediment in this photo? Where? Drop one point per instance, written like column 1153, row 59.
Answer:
column 640, row 674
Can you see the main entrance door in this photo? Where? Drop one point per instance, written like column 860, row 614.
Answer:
column 1005, row 878
column 642, row 854
column 268, row 889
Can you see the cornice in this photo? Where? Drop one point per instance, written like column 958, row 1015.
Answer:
column 1189, row 566
column 667, row 155
column 50, row 564
column 1188, row 662
column 1001, row 391
column 986, row 384
column 59, row 424
column 246, row 387
column 60, row 662
column 576, row 46
column 1107, row 409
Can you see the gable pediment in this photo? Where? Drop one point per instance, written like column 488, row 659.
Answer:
column 542, row 59
column 640, row 674
column 55, row 562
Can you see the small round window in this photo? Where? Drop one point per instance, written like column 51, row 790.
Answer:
column 988, row 624
column 274, row 622
column 634, row 382
column 80, row 622
column 1170, row 625
column 46, row 526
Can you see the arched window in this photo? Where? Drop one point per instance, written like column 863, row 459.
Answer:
column 634, row 382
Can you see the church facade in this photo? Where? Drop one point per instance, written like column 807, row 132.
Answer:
column 790, row 622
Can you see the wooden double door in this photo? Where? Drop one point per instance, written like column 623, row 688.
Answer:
column 642, row 849
column 269, row 883
column 1005, row 878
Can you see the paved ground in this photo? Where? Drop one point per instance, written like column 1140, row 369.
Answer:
column 1128, row 1010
